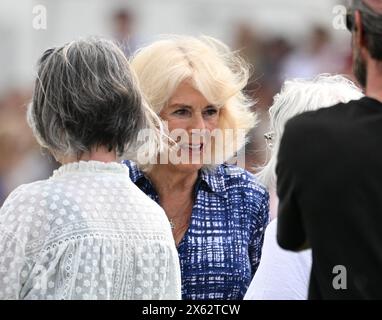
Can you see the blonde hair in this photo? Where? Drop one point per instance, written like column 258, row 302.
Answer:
column 219, row 74
column 298, row 96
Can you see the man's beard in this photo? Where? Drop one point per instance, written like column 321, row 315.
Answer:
column 359, row 69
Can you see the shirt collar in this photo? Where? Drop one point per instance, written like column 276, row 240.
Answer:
column 135, row 173
column 212, row 179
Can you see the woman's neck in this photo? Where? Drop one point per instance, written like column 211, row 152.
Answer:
column 169, row 180
column 101, row 154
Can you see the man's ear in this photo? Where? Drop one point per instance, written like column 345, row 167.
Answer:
column 359, row 35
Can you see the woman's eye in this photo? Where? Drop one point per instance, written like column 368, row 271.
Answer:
column 210, row 112
column 181, row 112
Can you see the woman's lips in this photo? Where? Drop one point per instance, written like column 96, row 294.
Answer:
column 192, row 147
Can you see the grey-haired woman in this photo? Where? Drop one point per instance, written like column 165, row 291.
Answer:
column 87, row 232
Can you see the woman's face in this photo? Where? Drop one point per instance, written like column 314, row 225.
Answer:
column 189, row 111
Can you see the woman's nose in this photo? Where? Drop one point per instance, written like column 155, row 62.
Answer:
column 198, row 122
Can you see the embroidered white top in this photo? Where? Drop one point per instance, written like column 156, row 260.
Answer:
column 86, row 233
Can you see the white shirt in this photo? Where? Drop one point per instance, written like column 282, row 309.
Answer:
column 86, row 233
column 282, row 274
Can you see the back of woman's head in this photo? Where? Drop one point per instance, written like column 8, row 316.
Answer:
column 85, row 96
column 298, row 96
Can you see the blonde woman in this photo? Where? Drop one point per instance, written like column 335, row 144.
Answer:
column 218, row 211
column 87, row 232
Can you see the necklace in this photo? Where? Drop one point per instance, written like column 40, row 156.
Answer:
column 181, row 219
column 172, row 224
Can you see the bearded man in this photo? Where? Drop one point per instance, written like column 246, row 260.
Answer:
column 329, row 176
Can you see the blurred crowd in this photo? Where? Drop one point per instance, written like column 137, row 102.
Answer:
column 273, row 60
column 276, row 59
column 22, row 160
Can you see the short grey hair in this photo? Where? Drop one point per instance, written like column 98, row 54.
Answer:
column 298, row 96
column 86, row 96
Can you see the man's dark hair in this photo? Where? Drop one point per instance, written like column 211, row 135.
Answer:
column 372, row 25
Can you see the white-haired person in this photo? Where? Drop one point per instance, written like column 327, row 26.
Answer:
column 218, row 211
column 284, row 275
column 87, row 232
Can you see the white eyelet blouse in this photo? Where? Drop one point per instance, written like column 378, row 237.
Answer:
column 86, row 233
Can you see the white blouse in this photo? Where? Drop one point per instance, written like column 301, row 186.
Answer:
column 86, row 233
column 282, row 274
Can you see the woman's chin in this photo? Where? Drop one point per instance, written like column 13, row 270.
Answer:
column 188, row 167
